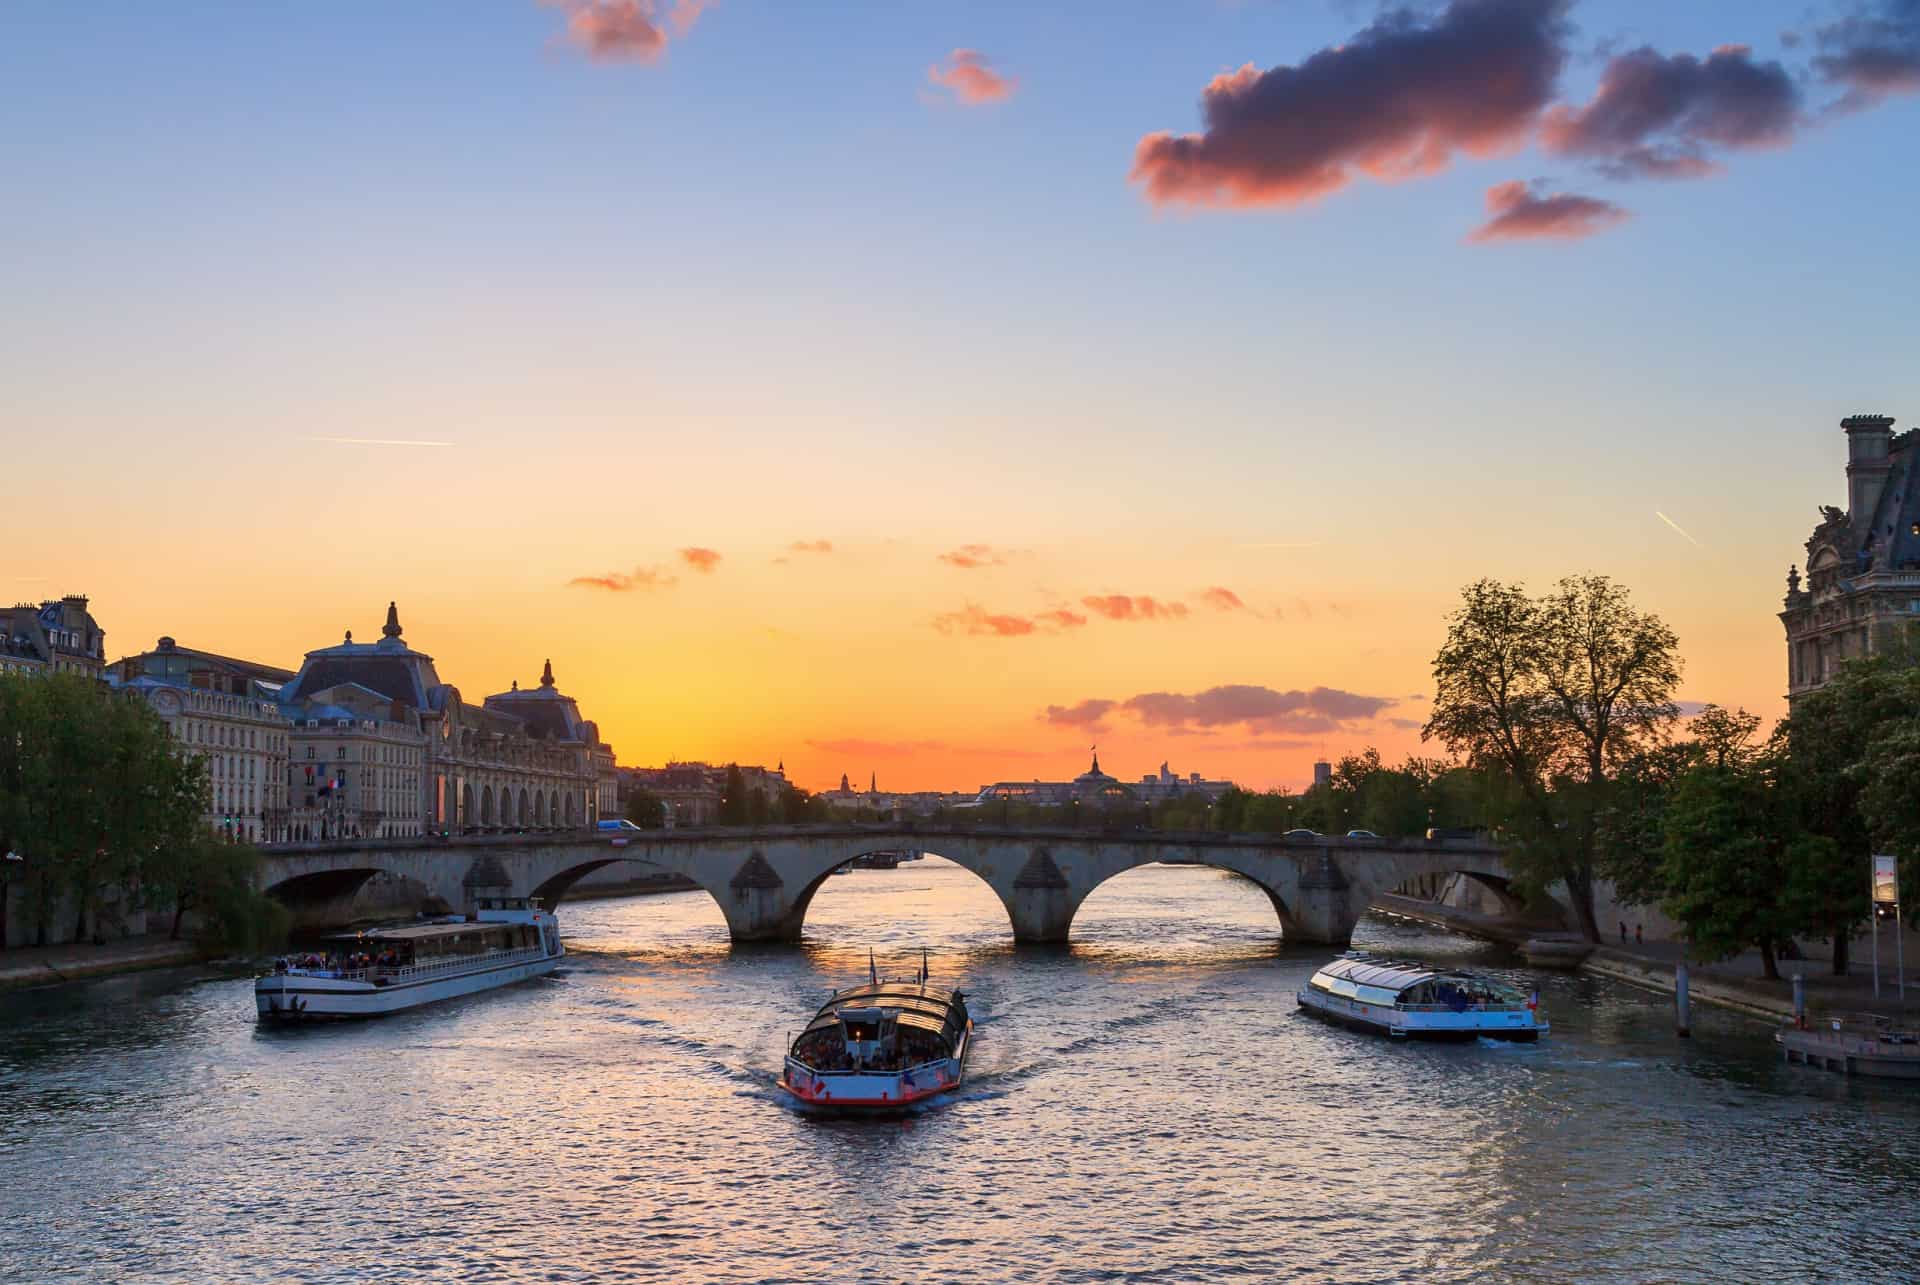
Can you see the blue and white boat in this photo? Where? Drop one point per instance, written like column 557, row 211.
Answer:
column 1419, row 1001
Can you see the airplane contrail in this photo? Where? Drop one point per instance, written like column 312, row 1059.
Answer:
column 376, row 441
column 1676, row 526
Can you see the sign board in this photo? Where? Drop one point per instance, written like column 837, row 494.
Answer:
column 1886, row 879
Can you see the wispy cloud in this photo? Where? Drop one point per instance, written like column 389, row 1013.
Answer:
column 969, row 557
column 1120, row 606
column 1518, row 211
column 701, row 560
column 376, row 441
column 811, row 546
column 626, row 581
column 976, row 621
column 1086, row 714
column 1676, row 526
column 1222, row 599
column 970, row 75
column 1259, row 710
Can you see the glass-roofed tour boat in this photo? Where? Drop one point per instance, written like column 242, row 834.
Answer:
column 384, row 970
column 1406, row 999
column 881, row 1047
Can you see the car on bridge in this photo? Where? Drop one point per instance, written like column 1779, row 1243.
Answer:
column 1362, row 834
column 1303, row 834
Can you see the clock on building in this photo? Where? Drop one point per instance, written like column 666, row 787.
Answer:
column 166, row 704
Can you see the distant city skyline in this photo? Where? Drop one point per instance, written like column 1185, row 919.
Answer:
column 941, row 400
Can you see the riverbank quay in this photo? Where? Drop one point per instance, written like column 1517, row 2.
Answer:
column 29, row 966
column 1740, row 983
column 1506, row 932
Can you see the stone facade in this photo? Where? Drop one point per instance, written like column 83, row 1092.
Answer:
column 225, row 711
column 1862, row 585
column 423, row 760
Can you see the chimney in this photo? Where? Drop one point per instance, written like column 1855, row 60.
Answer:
column 1869, row 438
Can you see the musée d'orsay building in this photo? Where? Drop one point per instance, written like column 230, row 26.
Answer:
column 365, row 741
column 382, row 748
column 1863, row 564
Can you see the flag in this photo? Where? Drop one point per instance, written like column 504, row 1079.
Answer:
column 873, row 970
column 1533, row 1000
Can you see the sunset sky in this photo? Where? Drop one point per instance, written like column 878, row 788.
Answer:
column 872, row 386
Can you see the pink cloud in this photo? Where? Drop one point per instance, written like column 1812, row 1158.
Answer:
column 1658, row 116
column 1222, row 599
column 1873, row 52
column 1261, row 711
column 701, row 560
column 1395, row 102
column 1120, row 606
column 625, row 582
column 972, row 79
column 811, row 546
column 1518, row 212
column 976, row 621
column 625, row 30
column 1088, row 713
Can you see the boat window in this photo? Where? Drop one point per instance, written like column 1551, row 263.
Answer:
column 861, row 1032
column 1376, row 995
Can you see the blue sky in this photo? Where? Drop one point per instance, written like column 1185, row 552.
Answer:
column 778, row 276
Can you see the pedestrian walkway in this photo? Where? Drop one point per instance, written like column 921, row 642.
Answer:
column 1741, row 982
column 51, row 965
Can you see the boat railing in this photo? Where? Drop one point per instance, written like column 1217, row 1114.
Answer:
column 454, row 964
column 1513, row 1007
column 413, row 972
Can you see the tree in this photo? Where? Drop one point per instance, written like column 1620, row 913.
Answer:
column 734, row 808
column 646, row 810
column 1630, row 829
column 1829, row 743
column 1890, row 800
column 1728, row 862
column 1554, row 693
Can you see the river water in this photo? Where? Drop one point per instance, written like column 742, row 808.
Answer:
column 1143, row 1105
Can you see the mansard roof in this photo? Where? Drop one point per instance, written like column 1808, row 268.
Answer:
column 388, row 667
column 547, row 713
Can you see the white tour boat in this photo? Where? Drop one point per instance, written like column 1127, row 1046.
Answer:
column 1404, row 999
column 881, row 1047
column 384, row 970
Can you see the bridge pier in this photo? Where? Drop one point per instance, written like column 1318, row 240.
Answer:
column 1324, row 911
column 1043, row 902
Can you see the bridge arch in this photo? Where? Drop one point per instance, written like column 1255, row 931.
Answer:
column 522, row 817
column 1266, row 875
column 486, row 805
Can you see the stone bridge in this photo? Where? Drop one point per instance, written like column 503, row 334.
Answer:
column 763, row 878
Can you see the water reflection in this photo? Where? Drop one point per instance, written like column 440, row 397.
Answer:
column 1142, row 1101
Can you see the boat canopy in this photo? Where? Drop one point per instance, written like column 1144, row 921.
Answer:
column 929, row 1008
column 1385, row 974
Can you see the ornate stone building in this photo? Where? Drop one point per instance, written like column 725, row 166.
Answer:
column 415, row 757
column 225, row 711
column 60, row 636
column 1863, row 564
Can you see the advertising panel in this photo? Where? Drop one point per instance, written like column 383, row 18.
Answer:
column 1886, row 879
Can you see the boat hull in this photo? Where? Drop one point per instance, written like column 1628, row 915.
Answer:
column 876, row 1092
column 301, row 997
column 1521, row 1027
